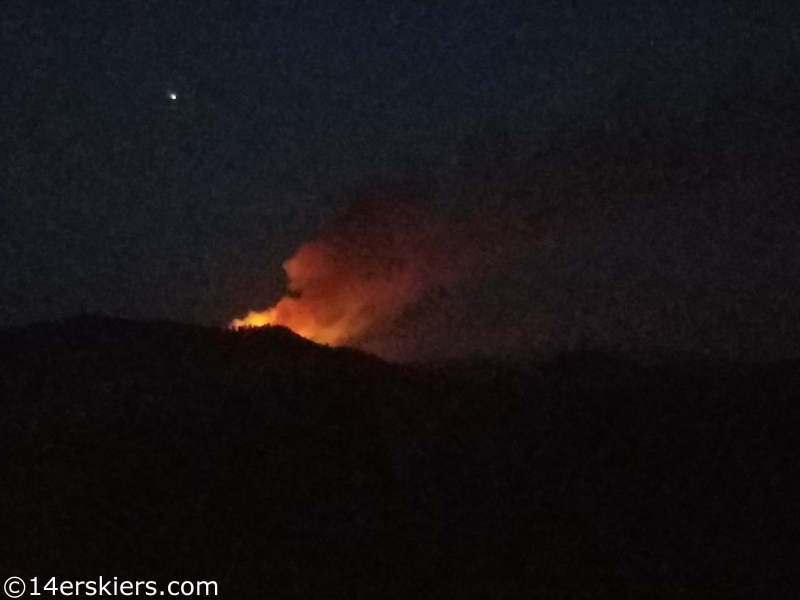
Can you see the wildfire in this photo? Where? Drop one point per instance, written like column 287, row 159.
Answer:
column 363, row 273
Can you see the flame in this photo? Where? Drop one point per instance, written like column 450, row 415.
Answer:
column 360, row 276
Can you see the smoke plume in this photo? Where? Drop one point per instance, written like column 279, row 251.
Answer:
column 385, row 252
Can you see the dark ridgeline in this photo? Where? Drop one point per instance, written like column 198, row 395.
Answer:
column 159, row 451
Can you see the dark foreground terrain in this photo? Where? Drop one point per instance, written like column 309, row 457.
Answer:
column 280, row 469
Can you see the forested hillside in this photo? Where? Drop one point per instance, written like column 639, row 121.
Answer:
column 279, row 468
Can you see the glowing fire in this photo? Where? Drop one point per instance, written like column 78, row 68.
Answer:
column 359, row 277
column 330, row 303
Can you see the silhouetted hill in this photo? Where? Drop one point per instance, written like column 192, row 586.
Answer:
column 279, row 468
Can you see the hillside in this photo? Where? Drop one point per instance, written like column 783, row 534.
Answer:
column 278, row 468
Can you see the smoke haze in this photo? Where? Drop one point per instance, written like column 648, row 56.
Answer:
column 385, row 251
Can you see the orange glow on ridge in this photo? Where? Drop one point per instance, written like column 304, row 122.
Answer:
column 359, row 277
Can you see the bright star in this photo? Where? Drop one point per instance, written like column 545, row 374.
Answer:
column 173, row 96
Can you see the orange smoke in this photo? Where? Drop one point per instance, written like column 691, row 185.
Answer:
column 354, row 281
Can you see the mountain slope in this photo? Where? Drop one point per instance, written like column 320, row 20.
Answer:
column 159, row 451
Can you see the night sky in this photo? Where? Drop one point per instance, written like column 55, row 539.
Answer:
column 641, row 156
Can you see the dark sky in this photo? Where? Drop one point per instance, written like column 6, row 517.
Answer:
column 654, row 144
